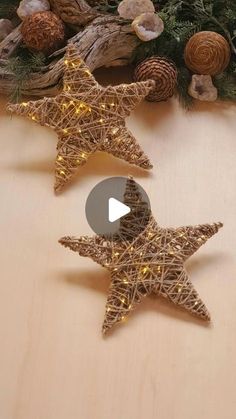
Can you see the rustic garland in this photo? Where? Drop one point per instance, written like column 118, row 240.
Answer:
column 104, row 39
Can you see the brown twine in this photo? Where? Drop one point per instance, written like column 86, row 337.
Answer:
column 207, row 53
column 87, row 118
column 142, row 262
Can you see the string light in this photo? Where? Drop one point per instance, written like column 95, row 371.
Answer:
column 115, row 130
column 145, row 269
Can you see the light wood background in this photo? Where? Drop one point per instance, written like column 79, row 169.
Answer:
column 162, row 363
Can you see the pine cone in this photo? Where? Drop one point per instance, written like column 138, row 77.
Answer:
column 163, row 71
column 207, row 53
column 43, row 31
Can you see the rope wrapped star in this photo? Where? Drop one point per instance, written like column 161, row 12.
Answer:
column 87, row 118
column 144, row 258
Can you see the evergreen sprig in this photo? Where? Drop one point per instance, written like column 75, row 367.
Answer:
column 21, row 68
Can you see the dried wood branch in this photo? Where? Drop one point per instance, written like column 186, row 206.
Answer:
column 75, row 12
column 10, row 43
column 106, row 41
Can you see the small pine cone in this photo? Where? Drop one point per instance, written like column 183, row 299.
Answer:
column 163, row 71
column 43, row 31
column 207, row 53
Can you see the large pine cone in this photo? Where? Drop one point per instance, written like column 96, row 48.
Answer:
column 207, row 53
column 43, row 31
column 163, row 72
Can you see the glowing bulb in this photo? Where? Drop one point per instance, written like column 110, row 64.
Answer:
column 115, row 130
column 179, row 288
column 108, row 309
column 101, row 121
column 33, row 118
column 103, row 106
column 60, row 158
column 112, row 104
column 87, row 72
column 24, row 104
column 66, row 62
column 83, row 155
column 65, row 131
column 62, row 172
column 145, row 269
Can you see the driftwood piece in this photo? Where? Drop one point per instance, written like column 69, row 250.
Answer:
column 10, row 43
column 106, row 41
column 74, row 12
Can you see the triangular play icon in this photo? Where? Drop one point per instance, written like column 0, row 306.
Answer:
column 116, row 210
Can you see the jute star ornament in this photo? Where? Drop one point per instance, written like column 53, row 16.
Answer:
column 87, row 118
column 145, row 258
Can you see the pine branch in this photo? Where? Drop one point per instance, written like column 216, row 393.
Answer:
column 21, row 68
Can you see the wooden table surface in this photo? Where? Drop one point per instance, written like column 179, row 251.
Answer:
column 161, row 363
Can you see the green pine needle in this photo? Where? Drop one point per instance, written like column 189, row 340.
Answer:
column 21, row 68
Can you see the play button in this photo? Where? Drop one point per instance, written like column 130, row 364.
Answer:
column 117, row 203
column 117, row 210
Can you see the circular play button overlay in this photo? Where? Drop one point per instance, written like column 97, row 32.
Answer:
column 118, row 205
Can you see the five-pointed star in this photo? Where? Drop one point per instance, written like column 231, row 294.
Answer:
column 88, row 117
column 144, row 261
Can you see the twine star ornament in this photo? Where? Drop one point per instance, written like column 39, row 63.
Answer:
column 88, row 118
column 145, row 261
